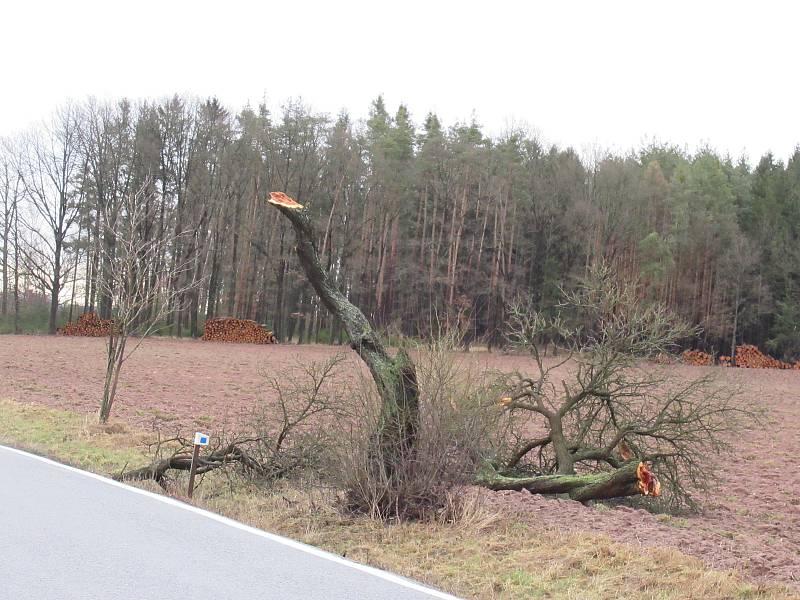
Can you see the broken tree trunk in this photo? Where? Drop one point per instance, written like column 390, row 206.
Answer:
column 395, row 378
column 631, row 479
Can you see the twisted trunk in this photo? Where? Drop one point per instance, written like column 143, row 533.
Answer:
column 395, row 378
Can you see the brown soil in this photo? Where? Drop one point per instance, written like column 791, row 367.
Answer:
column 751, row 523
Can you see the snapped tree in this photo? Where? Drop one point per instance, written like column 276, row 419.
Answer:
column 611, row 423
column 395, row 377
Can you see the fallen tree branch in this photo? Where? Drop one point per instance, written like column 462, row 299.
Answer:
column 629, row 480
column 182, row 461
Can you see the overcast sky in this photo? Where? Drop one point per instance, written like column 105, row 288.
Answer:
column 606, row 75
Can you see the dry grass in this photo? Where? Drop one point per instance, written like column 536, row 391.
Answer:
column 70, row 437
column 480, row 555
column 484, row 556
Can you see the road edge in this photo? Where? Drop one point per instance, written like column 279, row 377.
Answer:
column 385, row 575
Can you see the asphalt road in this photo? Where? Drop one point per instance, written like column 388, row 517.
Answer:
column 67, row 535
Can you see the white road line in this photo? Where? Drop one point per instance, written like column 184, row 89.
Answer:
column 231, row 523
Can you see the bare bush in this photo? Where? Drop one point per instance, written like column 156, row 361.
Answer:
column 457, row 431
column 294, row 434
column 287, row 436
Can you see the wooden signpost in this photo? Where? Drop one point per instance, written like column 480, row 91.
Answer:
column 200, row 440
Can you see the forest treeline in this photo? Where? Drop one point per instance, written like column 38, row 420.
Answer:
column 427, row 227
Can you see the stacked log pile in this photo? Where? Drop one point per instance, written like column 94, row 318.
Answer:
column 697, row 358
column 750, row 357
column 243, row 331
column 88, row 325
column 747, row 357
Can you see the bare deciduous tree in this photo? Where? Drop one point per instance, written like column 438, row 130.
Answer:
column 48, row 162
column 138, row 284
column 10, row 191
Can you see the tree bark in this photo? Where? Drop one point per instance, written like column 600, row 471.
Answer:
column 74, row 276
column 6, row 231
column 56, row 288
column 213, row 281
column 16, row 269
column 114, row 360
column 618, row 483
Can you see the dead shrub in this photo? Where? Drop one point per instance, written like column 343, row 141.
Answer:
column 457, row 429
column 287, row 437
column 293, row 431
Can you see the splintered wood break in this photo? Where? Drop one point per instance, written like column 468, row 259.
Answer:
column 281, row 199
column 648, row 482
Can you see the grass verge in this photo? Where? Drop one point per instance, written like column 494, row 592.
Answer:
column 480, row 556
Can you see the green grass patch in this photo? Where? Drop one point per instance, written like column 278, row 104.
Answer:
column 32, row 318
column 69, row 437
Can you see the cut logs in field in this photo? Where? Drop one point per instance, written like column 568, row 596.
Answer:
column 88, row 325
column 697, row 358
column 748, row 356
column 242, row 331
